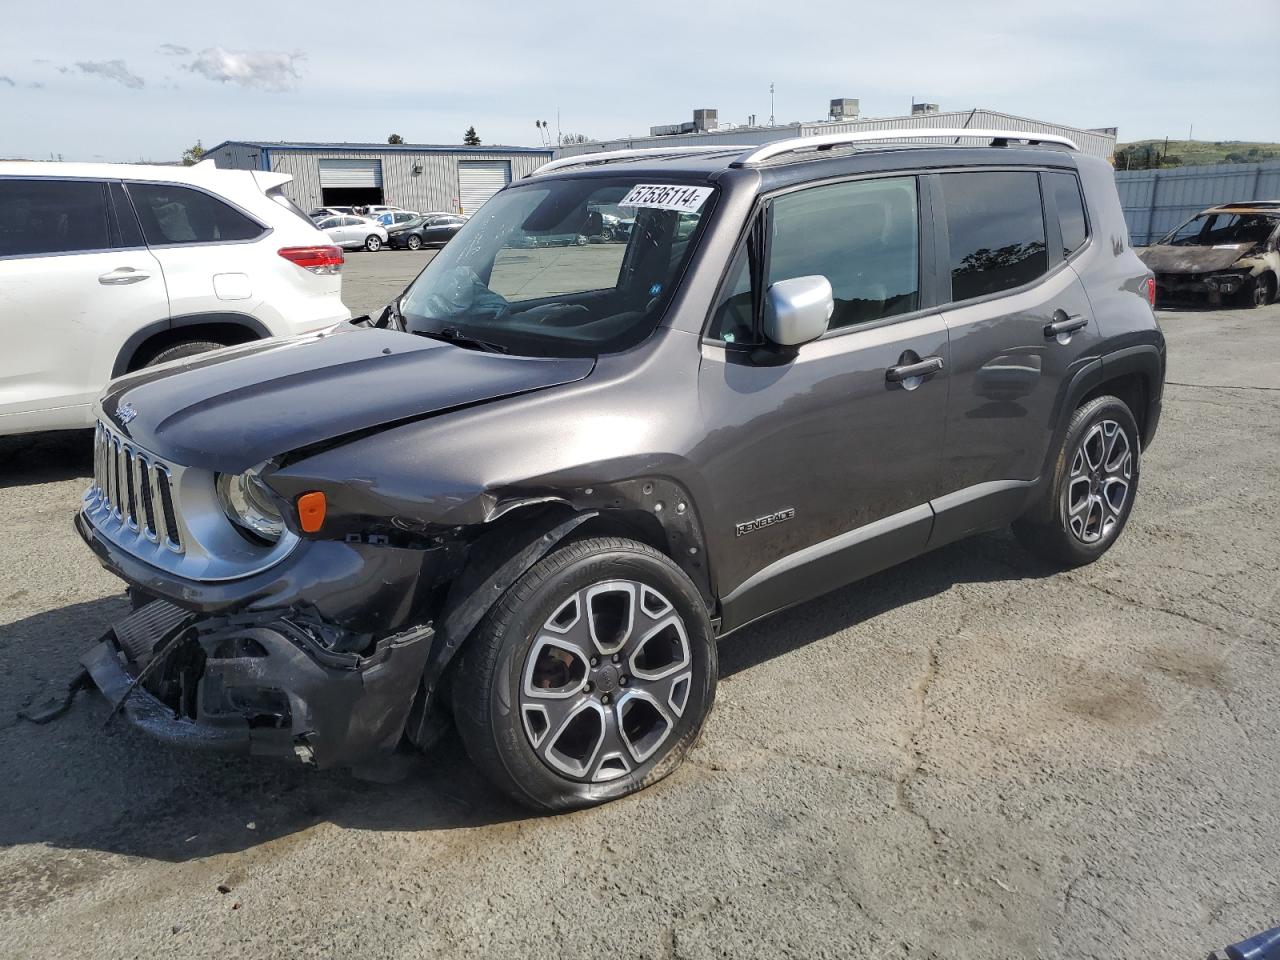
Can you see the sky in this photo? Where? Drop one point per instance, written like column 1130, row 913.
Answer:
column 139, row 80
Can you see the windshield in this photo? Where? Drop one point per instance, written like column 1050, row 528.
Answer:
column 1212, row 229
column 562, row 267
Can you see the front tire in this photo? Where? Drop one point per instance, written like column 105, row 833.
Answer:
column 413, row 242
column 591, row 677
column 373, row 243
column 180, row 351
column 1095, row 481
column 1259, row 291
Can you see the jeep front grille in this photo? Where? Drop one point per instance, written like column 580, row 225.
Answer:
column 134, row 488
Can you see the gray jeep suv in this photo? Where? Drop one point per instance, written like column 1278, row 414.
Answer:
column 531, row 496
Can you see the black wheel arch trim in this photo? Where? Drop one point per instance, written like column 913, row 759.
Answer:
column 494, row 565
column 140, row 336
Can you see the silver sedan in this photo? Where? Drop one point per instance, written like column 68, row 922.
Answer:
column 351, row 233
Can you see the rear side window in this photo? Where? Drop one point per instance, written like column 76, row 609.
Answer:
column 172, row 214
column 1066, row 194
column 995, row 225
column 862, row 236
column 52, row 216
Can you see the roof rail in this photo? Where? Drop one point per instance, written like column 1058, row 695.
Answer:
column 998, row 138
column 1256, row 204
column 609, row 156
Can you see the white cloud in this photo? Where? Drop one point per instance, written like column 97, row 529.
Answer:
column 264, row 69
column 116, row 70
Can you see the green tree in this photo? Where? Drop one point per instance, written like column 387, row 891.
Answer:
column 471, row 138
column 193, row 155
column 395, row 138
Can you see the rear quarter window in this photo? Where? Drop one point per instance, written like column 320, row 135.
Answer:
column 1071, row 219
column 995, row 230
column 180, row 215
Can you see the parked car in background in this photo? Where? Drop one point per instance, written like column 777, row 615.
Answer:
column 432, row 231
column 352, row 233
column 375, row 210
column 323, row 213
column 1228, row 253
column 542, row 486
column 109, row 268
column 395, row 218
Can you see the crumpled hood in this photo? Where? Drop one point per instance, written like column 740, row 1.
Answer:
column 235, row 408
column 1166, row 258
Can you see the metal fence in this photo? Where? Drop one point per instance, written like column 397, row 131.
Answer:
column 1156, row 201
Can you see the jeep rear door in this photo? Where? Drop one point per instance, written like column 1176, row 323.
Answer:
column 1019, row 323
column 823, row 466
column 75, row 283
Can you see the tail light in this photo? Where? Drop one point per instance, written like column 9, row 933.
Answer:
column 1149, row 289
column 319, row 260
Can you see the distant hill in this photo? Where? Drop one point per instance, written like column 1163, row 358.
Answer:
column 1144, row 154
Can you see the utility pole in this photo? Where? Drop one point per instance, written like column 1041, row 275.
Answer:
column 772, row 120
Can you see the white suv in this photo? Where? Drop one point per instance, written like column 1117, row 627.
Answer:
column 107, row 268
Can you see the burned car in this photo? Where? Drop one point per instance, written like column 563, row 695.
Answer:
column 531, row 496
column 1227, row 254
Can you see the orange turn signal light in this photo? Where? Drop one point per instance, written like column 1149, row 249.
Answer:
column 311, row 508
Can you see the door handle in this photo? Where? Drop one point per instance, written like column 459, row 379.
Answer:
column 1064, row 324
column 921, row 368
column 122, row 275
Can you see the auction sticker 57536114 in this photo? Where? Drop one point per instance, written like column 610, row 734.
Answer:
column 666, row 196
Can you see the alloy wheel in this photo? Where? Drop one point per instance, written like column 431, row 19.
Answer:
column 1096, row 494
column 414, row 242
column 606, row 681
column 373, row 244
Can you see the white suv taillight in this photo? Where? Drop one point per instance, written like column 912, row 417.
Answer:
column 319, row 260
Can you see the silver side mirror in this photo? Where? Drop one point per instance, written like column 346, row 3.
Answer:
column 798, row 310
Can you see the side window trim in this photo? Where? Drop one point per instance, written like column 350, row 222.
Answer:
column 1052, row 221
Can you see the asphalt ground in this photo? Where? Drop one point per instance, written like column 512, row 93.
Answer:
column 970, row 755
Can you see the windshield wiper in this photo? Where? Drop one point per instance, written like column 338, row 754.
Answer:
column 458, row 338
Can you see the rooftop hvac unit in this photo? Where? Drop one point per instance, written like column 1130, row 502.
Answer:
column 919, row 108
column 844, row 108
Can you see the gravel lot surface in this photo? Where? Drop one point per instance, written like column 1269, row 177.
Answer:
column 970, row 755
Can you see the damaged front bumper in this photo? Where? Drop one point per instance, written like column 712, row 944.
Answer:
column 1213, row 288
column 259, row 684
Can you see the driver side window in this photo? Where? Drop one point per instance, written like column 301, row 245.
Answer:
column 863, row 236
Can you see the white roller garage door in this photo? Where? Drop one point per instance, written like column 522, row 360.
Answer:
column 350, row 173
column 478, row 180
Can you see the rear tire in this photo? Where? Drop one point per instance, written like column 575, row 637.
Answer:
column 373, row 243
column 1085, row 508
column 180, row 351
column 591, row 677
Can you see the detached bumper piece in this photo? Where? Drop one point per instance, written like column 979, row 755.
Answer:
column 1191, row 287
column 277, row 684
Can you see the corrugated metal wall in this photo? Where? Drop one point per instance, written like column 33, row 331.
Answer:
column 434, row 189
column 1156, row 201
column 235, row 156
column 1101, row 145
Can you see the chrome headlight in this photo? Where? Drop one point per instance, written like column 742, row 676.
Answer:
column 248, row 504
